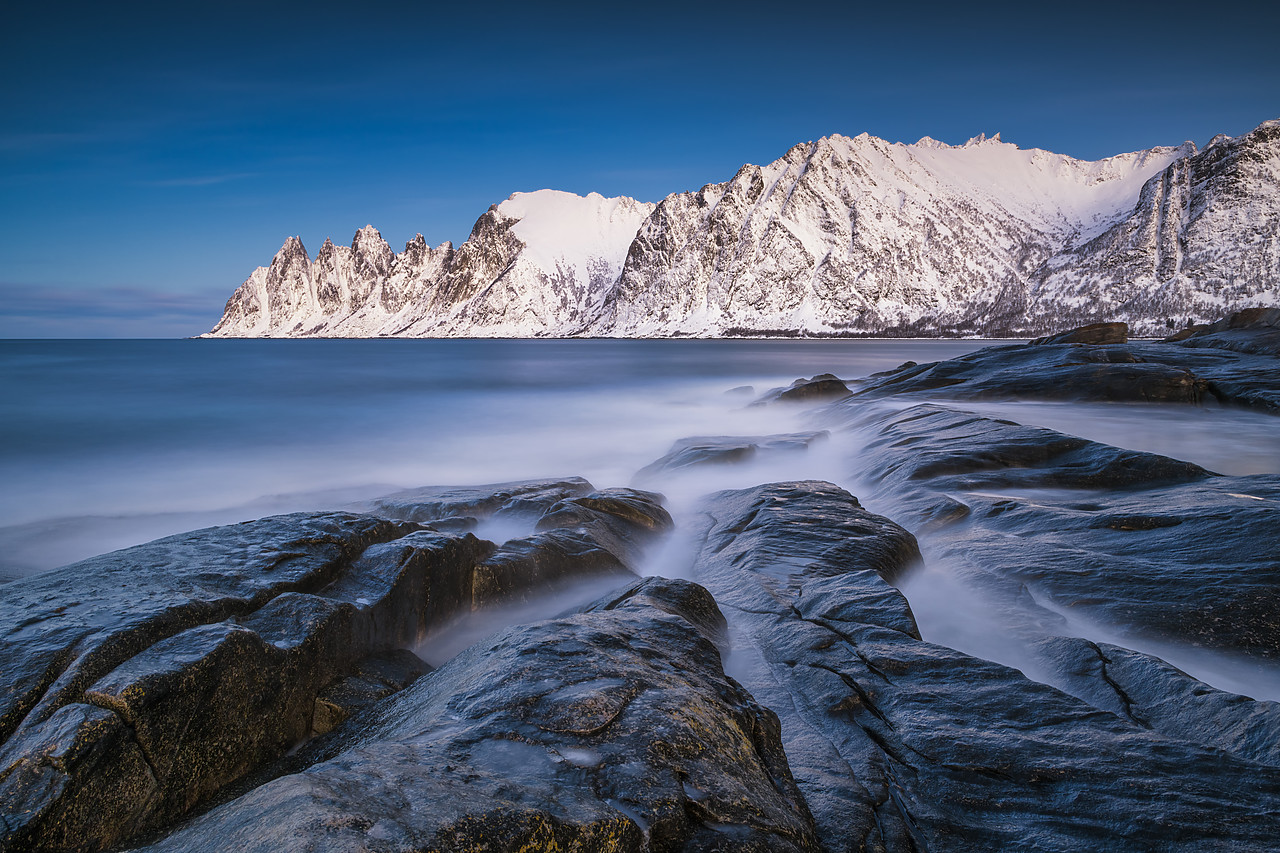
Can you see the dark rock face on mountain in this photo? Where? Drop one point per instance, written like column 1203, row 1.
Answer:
column 176, row 667
column 899, row 744
column 615, row 729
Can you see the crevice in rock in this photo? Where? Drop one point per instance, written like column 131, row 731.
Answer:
column 121, row 710
column 1124, row 697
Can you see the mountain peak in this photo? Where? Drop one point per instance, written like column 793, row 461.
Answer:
column 835, row 237
column 293, row 248
column 982, row 139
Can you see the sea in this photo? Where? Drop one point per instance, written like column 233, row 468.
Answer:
column 109, row 443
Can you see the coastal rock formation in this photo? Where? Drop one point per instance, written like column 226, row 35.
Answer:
column 1151, row 546
column 614, row 729
column 899, row 744
column 142, row 682
column 1232, row 364
column 837, row 237
column 256, row 686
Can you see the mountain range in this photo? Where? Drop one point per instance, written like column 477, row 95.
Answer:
column 838, row 237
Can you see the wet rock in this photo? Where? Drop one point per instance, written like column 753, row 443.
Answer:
column 1095, row 333
column 1155, row 695
column 96, row 655
column 1151, row 546
column 899, row 744
column 375, row 677
column 145, row 681
column 1253, row 330
column 726, row 449
column 1047, row 372
column 614, row 729
column 1234, row 365
column 624, row 522
column 679, row 598
column 528, row 498
column 818, row 389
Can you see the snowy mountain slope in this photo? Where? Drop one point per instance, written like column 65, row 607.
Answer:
column 858, row 234
column 533, row 264
column 1202, row 240
column 839, row 236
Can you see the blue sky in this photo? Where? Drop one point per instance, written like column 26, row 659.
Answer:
column 151, row 155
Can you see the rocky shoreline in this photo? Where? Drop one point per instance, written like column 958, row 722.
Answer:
column 254, row 687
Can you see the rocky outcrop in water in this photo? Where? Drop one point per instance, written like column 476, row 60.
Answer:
column 899, row 744
column 697, row 451
column 1232, row 364
column 1149, row 545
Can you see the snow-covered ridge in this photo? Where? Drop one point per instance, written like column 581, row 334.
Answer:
column 838, row 236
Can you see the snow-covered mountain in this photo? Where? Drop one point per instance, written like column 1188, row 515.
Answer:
column 839, row 236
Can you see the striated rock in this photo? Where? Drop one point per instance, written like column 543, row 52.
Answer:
column 175, row 668
column 702, row 450
column 614, row 729
column 899, row 744
column 1154, row 695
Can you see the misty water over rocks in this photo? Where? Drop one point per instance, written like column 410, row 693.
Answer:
column 1088, row 545
column 108, row 444
column 105, row 444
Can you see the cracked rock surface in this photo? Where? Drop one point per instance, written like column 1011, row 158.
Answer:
column 899, row 744
column 612, row 729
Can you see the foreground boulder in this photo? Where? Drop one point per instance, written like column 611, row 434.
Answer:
column 615, row 729
column 142, row 682
column 899, row 744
